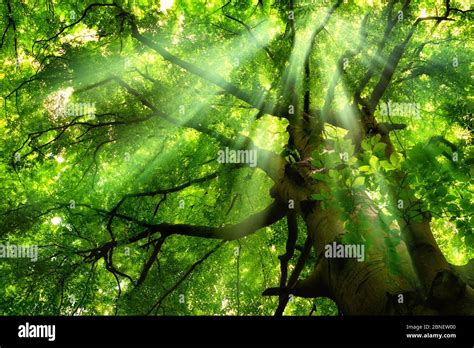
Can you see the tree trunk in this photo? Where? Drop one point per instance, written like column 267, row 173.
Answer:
column 426, row 283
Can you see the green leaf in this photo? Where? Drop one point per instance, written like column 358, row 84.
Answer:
column 352, row 160
column 320, row 176
column 395, row 159
column 359, row 181
column 332, row 173
column 318, row 196
column 449, row 198
column 374, row 162
column 380, row 148
column 453, row 208
column 466, row 204
column 366, row 145
column 441, row 191
column 375, row 139
column 387, row 166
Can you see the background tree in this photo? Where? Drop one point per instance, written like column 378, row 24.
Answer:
column 360, row 114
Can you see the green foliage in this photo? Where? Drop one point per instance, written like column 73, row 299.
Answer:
column 61, row 176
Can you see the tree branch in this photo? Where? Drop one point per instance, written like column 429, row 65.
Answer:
column 264, row 107
column 340, row 67
column 273, row 213
column 271, row 163
column 285, row 258
column 151, row 260
column 84, row 14
column 249, row 30
column 374, row 63
column 183, row 278
column 392, row 63
column 306, row 61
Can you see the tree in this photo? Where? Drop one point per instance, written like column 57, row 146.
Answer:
column 161, row 155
